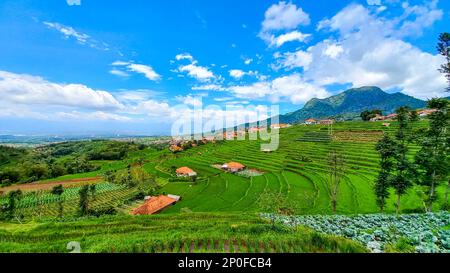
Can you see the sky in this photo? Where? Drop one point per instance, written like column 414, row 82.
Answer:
column 138, row 67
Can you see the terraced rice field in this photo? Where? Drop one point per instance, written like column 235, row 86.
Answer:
column 297, row 169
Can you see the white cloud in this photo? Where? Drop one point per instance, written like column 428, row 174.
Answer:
column 81, row 38
column 292, row 60
column 284, row 16
column 68, row 32
column 119, row 73
column 288, row 37
column 146, row 70
column 333, row 50
column 190, row 100
column 292, row 88
column 237, row 73
column 32, row 90
column 184, row 56
column 91, row 116
column 73, row 2
column 248, row 61
column 198, row 72
column 368, row 50
column 213, row 87
column 194, row 70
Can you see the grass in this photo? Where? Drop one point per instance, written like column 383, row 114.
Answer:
column 192, row 232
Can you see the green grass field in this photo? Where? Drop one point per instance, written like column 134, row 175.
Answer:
column 185, row 233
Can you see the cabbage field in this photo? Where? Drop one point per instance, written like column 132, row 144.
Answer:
column 423, row 233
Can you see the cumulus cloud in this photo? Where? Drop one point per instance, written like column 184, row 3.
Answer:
column 27, row 89
column 201, row 73
column 292, row 88
column 368, row 50
column 237, row 73
column 283, row 17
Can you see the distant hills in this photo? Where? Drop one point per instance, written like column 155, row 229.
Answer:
column 349, row 105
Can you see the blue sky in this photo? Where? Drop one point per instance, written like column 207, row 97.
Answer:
column 135, row 67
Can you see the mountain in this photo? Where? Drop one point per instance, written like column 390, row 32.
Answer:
column 349, row 105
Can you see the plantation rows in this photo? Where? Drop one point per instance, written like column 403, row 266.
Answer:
column 33, row 199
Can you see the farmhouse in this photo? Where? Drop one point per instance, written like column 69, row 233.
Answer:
column 280, row 126
column 185, row 172
column 155, row 204
column 310, row 121
column 326, row 121
column 233, row 167
column 426, row 112
column 378, row 117
column 391, row 116
column 175, row 148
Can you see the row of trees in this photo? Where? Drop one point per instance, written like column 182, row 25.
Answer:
column 430, row 166
column 427, row 169
column 33, row 171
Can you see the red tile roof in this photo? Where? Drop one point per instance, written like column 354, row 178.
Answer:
column 154, row 205
column 185, row 171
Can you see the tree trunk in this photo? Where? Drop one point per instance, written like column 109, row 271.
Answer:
column 398, row 204
column 446, row 194
column 334, row 204
column 430, row 201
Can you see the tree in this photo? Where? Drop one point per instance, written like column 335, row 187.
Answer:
column 367, row 115
column 403, row 169
column 385, row 148
column 273, row 202
column 58, row 191
column 84, row 200
column 336, row 170
column 433, row 158
column 443, row 48
column 93, row 191
column 11, row 209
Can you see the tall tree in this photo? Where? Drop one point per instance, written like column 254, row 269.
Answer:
column 12, row 210
column 336, row 170
column 443, row 48
column 433, row 158
column 385, row 148
column 58, row 191
column 84, row 200
column 402, row 170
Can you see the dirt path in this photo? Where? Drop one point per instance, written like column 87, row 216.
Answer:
column 36, row 186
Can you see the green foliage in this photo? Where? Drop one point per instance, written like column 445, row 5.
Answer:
column 443, row 48
column 433, row 159
column 369, row 114
column 386, row 149
column 84, row 201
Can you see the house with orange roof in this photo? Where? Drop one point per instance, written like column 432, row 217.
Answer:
column 175, row 148
column 233, row 167
column 154, row 205
column 310, row 121
column 185, row 172
column 280, row 126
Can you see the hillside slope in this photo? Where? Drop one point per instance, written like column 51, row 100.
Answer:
column 351, row 103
